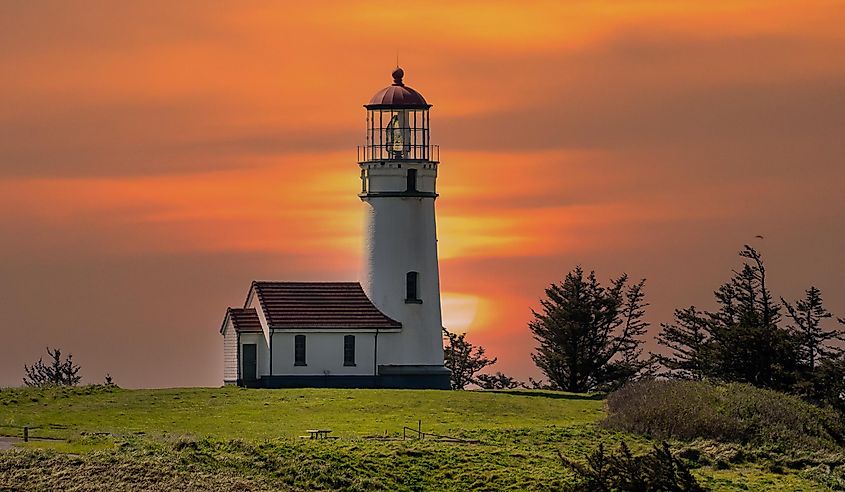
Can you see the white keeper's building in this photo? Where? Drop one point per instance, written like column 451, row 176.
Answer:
column 386, row 330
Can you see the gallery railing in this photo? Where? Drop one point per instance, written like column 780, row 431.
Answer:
column 398, row 152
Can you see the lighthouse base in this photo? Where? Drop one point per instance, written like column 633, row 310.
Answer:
column 396, row 377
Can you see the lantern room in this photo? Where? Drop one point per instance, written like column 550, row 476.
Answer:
column 397, row 125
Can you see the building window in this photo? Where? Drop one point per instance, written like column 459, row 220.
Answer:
column 363, row 180
column 412, row 283
column 411, row 185
column 299, row 350
column 349, row 350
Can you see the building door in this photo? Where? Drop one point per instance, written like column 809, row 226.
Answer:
column 249, row 362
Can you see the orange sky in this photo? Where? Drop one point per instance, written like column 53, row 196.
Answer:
column 157, row 157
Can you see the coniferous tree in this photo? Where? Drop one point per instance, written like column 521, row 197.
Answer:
column 687, row 341
column 748, row 345
column 822, row 362
column 588, row 335
column 808, row 315
column 743, row 340
column 828, row 383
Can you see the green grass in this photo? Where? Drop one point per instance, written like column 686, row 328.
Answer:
column 265, row 414
column 230, row 438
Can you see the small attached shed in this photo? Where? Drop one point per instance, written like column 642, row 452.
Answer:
column 244, row 346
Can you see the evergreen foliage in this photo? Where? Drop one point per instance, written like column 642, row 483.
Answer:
column 807, row 316
column 686, row 340
column 826, row 384
column 589, row 335
column 622, row 471
column 748, row 345
column 746, row 339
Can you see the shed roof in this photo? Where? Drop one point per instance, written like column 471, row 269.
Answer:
column 245, row 320
column 325, row 305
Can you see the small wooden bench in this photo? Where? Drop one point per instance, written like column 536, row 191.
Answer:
column 317, row 433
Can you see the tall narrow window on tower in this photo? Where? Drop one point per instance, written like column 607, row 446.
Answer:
column 412, row 283
column 412, row 180
column 299, row 350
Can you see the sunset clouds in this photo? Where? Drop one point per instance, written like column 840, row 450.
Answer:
column 157, row 157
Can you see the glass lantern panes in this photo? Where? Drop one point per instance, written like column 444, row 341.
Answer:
column 397, row 134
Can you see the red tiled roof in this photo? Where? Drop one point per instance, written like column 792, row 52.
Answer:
column 245, row 320
column 332, row 305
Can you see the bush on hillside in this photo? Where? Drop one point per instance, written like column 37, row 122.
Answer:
column 739, row 413
column 622, row 471
column 497, row 381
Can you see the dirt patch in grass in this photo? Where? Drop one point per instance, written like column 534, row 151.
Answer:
column 7, row 443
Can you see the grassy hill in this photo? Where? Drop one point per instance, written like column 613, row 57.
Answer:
column 220, row 439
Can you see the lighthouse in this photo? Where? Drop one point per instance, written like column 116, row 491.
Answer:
column 384, row 331
column 400, row 275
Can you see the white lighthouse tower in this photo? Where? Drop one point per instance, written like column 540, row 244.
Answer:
column 384, row 331
column 400, row 272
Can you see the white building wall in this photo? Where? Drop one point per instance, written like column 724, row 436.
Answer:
column 392, row 178
column 230, row 354
column 254, row 303
column 262, row 352
column 399, row 237
column 323, row 354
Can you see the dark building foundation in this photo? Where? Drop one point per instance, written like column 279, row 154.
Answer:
column 396, row 377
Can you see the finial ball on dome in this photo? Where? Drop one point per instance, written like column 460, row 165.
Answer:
column 397, row 76
column 397, row 95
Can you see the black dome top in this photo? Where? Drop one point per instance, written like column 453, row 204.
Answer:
column 397, row 96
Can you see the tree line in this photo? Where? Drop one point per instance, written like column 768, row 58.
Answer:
column 590, row 339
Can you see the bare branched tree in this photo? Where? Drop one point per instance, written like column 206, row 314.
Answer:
column 57, row 373
column 464, row 359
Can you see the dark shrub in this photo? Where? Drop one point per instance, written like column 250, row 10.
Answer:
column 734, row 412
column 621, row 471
